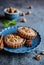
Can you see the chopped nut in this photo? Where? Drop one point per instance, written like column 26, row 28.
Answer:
column 42, row 52
column 15, row 11
column 29, row 7
column 29, row 12
column 38, row 57
column 22, row 14
column 12, row 10
column 23, row 20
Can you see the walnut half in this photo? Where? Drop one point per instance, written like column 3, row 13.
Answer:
column 38, row 57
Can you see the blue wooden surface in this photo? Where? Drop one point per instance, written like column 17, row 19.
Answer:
column 35, row 20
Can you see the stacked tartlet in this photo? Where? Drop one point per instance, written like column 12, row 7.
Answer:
column 28, row 34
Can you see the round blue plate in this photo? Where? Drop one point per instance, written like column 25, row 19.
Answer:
column 13, row 29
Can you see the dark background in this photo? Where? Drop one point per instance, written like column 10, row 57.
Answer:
column 35, row 20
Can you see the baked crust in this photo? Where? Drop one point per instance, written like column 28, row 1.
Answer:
column 14, row 41
column 1, row 43
column 27, row 33
column 28, row 43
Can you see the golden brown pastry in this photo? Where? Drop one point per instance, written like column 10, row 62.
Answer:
column 27, row 33
column 14, row 41
column 1, row 43
column 28, row 43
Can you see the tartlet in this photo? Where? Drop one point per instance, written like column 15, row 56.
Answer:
column 14, row 41
column 27, row 33
column 1, row 43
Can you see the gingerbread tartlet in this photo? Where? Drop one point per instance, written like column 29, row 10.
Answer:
column 27, row 33
column 1, row 43
column 14, row 41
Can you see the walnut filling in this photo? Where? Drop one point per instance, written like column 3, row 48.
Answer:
column 13, row 40
column 18, row 39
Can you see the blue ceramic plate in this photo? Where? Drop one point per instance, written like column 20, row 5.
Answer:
column 13, row 29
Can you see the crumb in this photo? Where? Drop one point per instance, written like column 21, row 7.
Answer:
column 28, row 12
column 38, row 57
column 23, row 19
